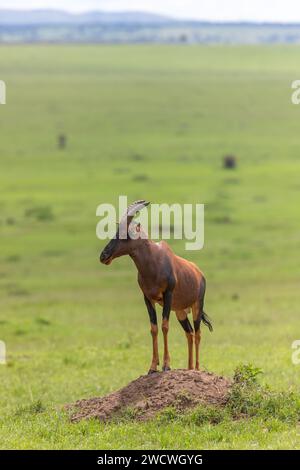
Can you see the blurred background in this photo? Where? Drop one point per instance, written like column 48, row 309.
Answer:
column 186, row 102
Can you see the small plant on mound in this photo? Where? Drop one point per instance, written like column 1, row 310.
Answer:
column 246, row 374
column 250, row 399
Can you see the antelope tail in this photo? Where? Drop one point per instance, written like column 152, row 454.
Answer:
column 206, row 320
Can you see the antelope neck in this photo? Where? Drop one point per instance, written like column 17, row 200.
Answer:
column 143, row 257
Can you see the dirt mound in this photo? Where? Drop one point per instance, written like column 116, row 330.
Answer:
column 149, row 394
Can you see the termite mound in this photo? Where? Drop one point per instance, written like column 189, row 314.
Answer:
column 150, row 394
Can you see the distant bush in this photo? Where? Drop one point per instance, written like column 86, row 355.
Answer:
column 140, row 178
column 54, row 253
column 18, row 292
column 137, row 157
column 10, row 221
column 62, row 141
column 229, row 162
column 42, row 213
column 121, row 170
column 231, row 181
column 223, row 219
column 42, row 321
column 13, row 258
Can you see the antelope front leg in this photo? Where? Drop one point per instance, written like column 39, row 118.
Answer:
column 154, row 334
column 165, row 328
column 155, row 357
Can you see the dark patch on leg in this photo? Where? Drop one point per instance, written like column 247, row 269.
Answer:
column 167, row 297
column 151, row 311
column 186, row 325
column 197, row 323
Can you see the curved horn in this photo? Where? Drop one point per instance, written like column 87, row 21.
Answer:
column 132, row 209
column 136, row 207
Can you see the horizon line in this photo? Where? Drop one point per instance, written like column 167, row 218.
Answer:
column 154, row 13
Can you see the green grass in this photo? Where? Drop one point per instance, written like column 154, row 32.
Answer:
column 76, row 329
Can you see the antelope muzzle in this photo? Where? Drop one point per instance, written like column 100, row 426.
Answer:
column 106, row 257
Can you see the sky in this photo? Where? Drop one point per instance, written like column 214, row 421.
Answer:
column 220, row 10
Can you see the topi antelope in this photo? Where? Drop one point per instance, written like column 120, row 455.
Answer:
column 164, row 278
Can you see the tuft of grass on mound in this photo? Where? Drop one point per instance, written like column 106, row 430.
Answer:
column 250, row 399
column 247, row 399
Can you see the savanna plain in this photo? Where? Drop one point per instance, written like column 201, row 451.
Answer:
column 149, row 122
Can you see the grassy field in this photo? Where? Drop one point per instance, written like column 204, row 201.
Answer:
column 153, row 123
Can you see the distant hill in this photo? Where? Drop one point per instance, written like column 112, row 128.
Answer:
column 34, row 17
column 98, row 27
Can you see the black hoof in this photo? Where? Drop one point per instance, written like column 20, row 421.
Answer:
column 151, row 371
column 166, row 368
